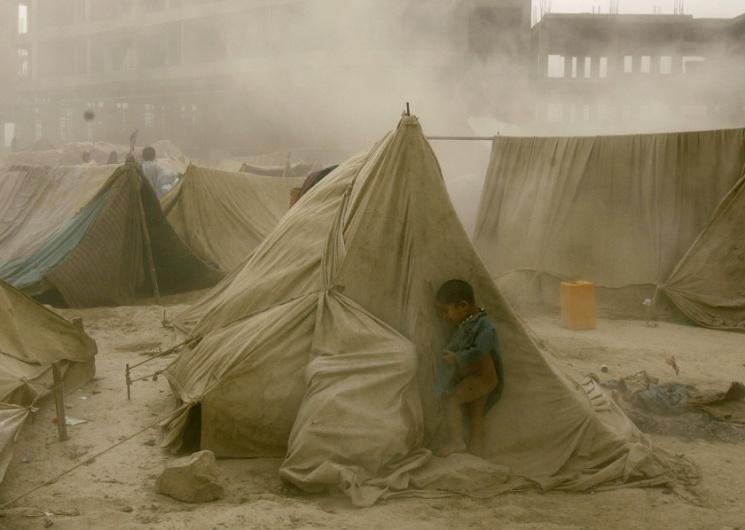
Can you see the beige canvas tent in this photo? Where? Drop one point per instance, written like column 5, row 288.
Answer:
column 83, row 236
column 223, row 216
column 621, row 211
column 322, row 351
column 32, row 338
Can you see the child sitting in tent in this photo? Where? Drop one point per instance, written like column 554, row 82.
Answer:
column 469, row 374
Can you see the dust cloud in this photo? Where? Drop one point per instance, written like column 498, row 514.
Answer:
column 325, row 79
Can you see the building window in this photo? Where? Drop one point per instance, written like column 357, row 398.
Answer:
column 646, row 64
column 22, row 19
column 23, row 63
column 692, row 64
column 575, row 67
column 666, row 65
column 149, row 116
column 9, row 132
column 588, row 67
column 555, row 66
column 628, row 64
column 554, row 113
column 603, row 68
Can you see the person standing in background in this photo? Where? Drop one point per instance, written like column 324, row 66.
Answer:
column 160, row 178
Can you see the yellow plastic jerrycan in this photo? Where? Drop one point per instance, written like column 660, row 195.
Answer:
column 578, row 305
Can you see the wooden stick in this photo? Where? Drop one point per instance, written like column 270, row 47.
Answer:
column 149, row 251
column 59, row 402
column 129, row 383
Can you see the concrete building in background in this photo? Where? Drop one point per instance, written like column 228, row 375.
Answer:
column 199, row 72
column 190, row 70
column 651, row 72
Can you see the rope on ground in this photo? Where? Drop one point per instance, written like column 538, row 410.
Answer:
column 85, row 462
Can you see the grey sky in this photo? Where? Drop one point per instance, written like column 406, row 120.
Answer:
column 697, row 8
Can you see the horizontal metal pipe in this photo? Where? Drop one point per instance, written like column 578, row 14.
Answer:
column 477, row 138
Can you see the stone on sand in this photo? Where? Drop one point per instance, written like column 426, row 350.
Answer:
column 191, row 478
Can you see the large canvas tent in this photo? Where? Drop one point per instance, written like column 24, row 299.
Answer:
column 322, row 350
column 624, row 212
column 223, row 216
column 32, row 338
column 83, row 236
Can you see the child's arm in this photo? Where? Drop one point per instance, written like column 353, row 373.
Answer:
column 482, row 346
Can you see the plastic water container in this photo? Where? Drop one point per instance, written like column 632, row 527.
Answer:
column 578, row 305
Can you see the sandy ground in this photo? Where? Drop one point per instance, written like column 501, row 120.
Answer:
column 117, row 490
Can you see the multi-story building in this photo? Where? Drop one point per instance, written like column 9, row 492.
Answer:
column 262, row 75
column 614, row 73
column 244, row 74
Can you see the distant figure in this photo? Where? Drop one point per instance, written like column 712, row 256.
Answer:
column 160, row 178
column 87, row 160
column 113, row 159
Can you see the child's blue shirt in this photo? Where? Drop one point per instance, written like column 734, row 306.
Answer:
column 474, row 339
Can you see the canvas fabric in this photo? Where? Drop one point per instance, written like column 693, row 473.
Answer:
column 222, row 216
column 322, row 350
column 32, row 338
column 79, row 231
column 620, row 211
column 708, row 284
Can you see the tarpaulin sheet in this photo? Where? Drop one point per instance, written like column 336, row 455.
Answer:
column 620, row 211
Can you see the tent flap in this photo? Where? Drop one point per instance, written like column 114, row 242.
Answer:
column 708, row 285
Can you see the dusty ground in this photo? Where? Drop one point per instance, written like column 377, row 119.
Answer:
column 117, row 489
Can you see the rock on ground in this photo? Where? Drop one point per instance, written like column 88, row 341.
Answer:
column 191, row 478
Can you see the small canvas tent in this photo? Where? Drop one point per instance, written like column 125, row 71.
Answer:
column 32, row 338
column 322, row 351
column 83, row 236
column 222, row 216
column 621, row 211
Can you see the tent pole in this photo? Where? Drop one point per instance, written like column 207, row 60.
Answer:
column 474, row 138
column 149, row 250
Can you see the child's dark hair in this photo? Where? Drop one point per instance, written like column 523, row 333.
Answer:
column 148, row 154
column 454, row 291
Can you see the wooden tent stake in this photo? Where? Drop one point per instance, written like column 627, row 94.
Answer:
column 59, row 403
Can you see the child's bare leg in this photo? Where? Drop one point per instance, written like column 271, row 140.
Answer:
column 476, row 410
column 454, row 417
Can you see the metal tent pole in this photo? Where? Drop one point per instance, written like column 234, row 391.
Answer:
column 467, row 138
